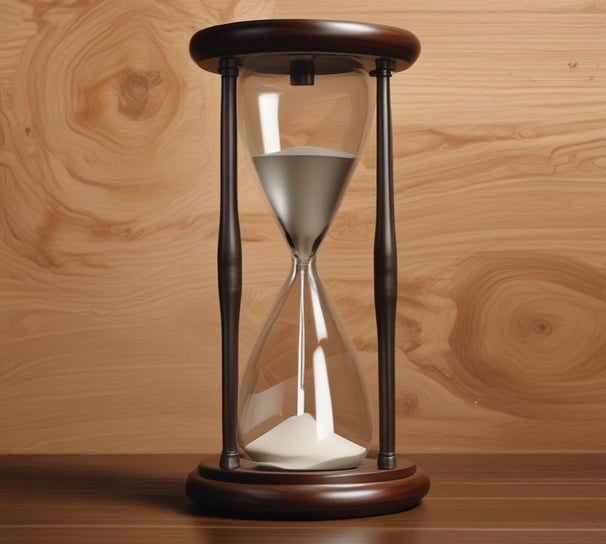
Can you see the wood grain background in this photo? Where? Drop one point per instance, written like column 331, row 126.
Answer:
column 108, row 220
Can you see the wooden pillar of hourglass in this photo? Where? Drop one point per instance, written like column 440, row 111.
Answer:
column 226, row 484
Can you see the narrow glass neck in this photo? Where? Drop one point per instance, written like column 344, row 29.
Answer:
column 304, row 265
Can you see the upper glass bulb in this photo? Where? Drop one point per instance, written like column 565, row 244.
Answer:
column 304, row 130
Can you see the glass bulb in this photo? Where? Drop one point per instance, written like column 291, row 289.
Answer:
column 303, row 399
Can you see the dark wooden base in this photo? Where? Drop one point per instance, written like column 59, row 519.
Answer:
column 248, row 492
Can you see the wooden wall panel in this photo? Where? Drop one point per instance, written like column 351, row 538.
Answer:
column 108, row 218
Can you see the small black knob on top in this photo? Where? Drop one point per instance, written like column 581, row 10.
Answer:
column 302, row 72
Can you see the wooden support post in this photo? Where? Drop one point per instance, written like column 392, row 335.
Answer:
column 385, row 269
column 229, row 262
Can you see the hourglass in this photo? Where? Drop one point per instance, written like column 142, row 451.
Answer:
column 297, row 430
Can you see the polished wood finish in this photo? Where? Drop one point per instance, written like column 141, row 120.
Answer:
column 110, row 334
column 247, row 40
column 333, row 494
column 502, row 499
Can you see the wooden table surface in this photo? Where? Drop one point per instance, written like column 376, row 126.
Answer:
column 503, row 498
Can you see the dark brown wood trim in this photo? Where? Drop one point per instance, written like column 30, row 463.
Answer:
column 250, row 493
column 366, row 42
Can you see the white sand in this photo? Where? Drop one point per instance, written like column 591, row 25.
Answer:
column 294, row 445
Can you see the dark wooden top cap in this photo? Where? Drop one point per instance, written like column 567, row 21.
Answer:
column 269, row 44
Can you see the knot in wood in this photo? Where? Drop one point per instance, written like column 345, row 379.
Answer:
column 135, row 90
column 542, row 327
